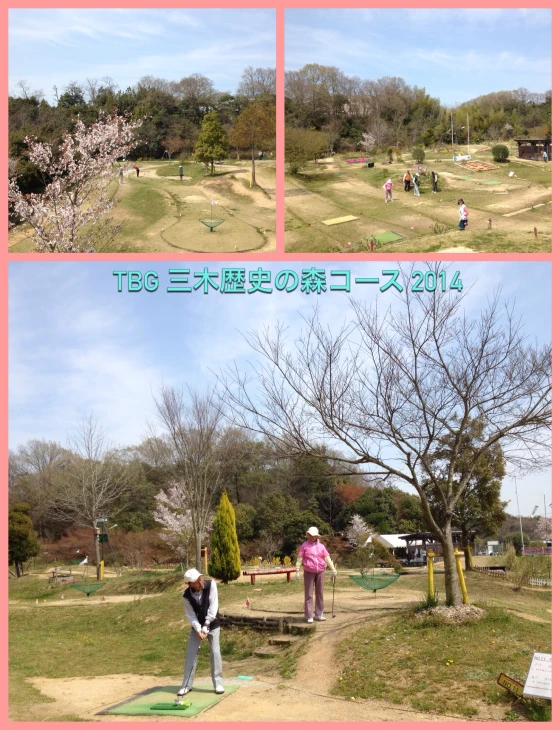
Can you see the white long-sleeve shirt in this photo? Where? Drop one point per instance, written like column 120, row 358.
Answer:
column 212, row 608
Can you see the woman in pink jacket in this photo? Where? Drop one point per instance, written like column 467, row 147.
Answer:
column 313, row 554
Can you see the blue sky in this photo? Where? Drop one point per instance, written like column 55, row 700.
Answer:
column 77, row 346
column 456, row 54
column 55, row 46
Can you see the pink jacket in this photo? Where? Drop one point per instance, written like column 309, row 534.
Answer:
column 313, row 554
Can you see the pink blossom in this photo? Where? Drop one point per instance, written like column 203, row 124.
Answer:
column 70, row 215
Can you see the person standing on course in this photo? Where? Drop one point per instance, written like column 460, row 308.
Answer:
column 434, row 181
column 181, row 172
column 121, row 176
column 313, row 554
column 463, row 214
column 416, row 182
column 407, row 178
column 200, row 601
column 388, row 191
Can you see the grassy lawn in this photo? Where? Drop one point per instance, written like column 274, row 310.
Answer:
column 159, row 212
column 427, row 223
column 142, row 637
column 432, row 666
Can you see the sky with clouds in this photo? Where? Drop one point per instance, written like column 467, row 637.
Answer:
column 77, row 346
column 456, row 55
column 55, row 46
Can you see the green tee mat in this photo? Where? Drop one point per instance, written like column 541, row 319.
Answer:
column 336, row 221
column 388, row 237
column 489, row 182
column 144, row 703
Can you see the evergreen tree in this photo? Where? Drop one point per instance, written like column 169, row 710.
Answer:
column 213, row 142
column 226, row 559
column 22, row 540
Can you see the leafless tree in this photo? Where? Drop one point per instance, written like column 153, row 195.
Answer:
column 390, row 388
column 257, row 81
column 193, row 425
column 35, row 471
column 96, row 481
column 26, row 92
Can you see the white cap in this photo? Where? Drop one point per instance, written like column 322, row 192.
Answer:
column 312, row 531
column 192, row 575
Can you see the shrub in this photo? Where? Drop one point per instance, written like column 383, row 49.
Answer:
column 500, row 152
column 418, row 154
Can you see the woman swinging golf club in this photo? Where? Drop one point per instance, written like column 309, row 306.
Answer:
column 200, row 601
column 313, row 554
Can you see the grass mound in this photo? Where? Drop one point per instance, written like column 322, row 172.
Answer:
column 424, row 663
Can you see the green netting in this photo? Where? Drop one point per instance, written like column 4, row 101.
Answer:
column 211, row 223
column 146, row 702
column 87, row 587
column 388, row 237
column 374, row 582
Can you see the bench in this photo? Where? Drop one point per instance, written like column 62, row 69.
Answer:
column 254, row 573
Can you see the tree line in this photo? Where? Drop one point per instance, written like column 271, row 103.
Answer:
column 172, row 113
column 393, row 114
column 428, row 395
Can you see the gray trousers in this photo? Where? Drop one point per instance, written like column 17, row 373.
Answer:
column 310, row 581
column 191, row 658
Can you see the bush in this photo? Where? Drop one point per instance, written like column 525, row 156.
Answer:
column 418, row 154
column 500, row 152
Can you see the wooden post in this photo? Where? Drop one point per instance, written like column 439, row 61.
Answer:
column 461, row 576
column 205, row 556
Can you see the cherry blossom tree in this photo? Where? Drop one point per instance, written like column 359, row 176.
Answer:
column 70, row 216
column 357, row 531
column 173, row 514
column 368, row 141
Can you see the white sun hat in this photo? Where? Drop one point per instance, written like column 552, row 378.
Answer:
column 313, row 531
column 192, row 575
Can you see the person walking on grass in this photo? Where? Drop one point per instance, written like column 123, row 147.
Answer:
column 407, row 179
column 121, row 176
column 137, row 170
column 416, row 183
column 545, row 155
column 181, row 172
column 388, row 187
column 463, row 214
column 313, row 554
column 434, row 181
column 200, row 601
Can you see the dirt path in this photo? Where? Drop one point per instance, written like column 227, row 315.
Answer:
column 263, row 700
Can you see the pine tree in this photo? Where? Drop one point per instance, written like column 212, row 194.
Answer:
column 226, row 558
column 212, row 142
column 22, row 540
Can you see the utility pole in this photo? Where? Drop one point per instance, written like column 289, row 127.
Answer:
column 519, row 515
column 468, row 136
column 452, row 147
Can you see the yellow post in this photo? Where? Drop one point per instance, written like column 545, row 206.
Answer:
column 101, row 569
column 431, row 555
column 461, row 576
